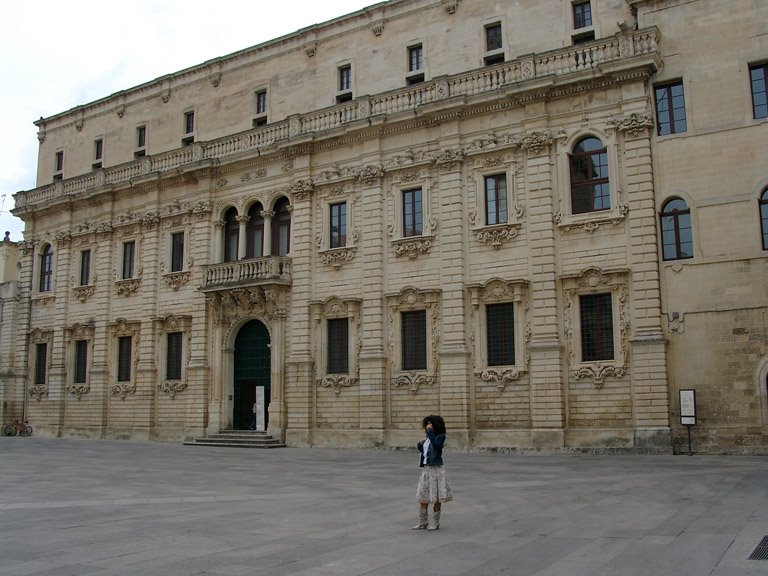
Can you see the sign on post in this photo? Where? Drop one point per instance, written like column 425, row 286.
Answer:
column 688, row 412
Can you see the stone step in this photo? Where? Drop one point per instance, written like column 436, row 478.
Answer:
column 238, row 439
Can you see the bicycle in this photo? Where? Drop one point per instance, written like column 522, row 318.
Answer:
column 18, row 428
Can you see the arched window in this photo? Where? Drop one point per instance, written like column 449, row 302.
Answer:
column 281, row 228
column 590, row 189
column 254, row 232
column 676, row 231
column 231, row 235
column 46, row 269
column 763, row 203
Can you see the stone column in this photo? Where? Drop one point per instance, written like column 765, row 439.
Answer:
column 267, row 242
column 546, row 370
column 242, row 237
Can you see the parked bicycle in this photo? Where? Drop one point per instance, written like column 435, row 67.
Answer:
column 18, row 428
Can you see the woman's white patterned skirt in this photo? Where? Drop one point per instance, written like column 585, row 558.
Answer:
column 433, row 485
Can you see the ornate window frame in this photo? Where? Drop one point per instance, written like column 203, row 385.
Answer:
column 597, row 281
column 38, row 336
column 164, row 326
column 336, row 257
column 38, row 270
column 564, row 217
column 411, row 246
column 494, row 234
column 413, row 299
column 333, row 308
column 83, row 291
column 73, row 334
column 127, row 286
column 118, row 329
column 179, row 278
column 498, row 291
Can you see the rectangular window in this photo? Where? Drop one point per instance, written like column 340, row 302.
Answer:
column 58, row 165
column 129, row 256
column 670, row 109
column 500, row 334
column 496, row 199
column 758, row 76
column 596, row 313
column 173, row 355
column 177, row 251
column 46, row 269
column 98, row 152
column 582, row 15
column 414, row 339
column 41, row 363
column 493, row 39
column 141, row 141
column 412, row 213
column 189, row 128
column 124, row 344
column 338, row 225
column 345, row 78
column 81, row 361
column 85, row 267
column 338, row 346
column 261, row 102
column 415, row 58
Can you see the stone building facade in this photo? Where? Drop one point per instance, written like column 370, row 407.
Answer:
column 507, row 213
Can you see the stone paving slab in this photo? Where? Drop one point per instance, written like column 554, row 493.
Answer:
column 110, row 508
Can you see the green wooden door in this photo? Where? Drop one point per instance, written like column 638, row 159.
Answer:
column 252, row 369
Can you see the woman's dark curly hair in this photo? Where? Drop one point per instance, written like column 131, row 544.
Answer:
column 438, row 424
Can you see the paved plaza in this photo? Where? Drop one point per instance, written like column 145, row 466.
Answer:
column 103, row 508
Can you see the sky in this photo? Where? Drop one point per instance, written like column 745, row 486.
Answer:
column 57, row 55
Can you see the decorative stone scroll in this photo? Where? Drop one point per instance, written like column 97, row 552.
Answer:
column 171, row 388
column 413, row 381
column 78, row 390
column 635, row 125
column 127, row 287
column 122, row 389
column 500, row 377
column 412, row 247
column 176, row 280
column 497, row 235
column 337, row 382
column 598, row 373
column 83, row 293
column 536, row 142
column 337, row 257
column 302, row 189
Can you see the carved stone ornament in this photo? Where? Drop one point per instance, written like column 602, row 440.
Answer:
column 377, row 27
column 176, row 280
column 500, row 377
column 26, row 247
column 497, row 235
column 104, row 228
column 450, row 5
column 204, row 207
column 41, row 136
column 448, row 158
column 310, row 49
column 173, row 388
column 63, row 238
column 413, row 381
column 412, row 247
column 165, row 95
column 370, row 174
column 38, row 392
column 82, row 293
column 535, row 142
column 122, row 389
column 302, row 189
column 336, row 258
column 127, row 287
column 636, row 124
column 78, row 390
column 337, row 382
column 598, row 372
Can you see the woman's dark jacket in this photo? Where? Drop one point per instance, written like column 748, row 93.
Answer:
column 435, row 451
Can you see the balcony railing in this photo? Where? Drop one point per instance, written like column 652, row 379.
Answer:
column 509, row 75
column 244, row 273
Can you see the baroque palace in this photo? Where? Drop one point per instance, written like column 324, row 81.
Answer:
column 542, row 219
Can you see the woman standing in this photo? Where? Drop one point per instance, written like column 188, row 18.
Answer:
column 433, row 484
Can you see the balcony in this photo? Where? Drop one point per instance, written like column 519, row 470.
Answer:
column 247, row 273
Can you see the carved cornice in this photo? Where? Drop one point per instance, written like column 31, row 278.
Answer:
column 448, row 159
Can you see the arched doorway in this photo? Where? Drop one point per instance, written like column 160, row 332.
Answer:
column 252, row 370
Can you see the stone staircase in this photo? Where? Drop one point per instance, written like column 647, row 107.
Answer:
column 238, row 439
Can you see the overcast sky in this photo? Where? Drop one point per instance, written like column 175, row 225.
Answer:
column 56, row 55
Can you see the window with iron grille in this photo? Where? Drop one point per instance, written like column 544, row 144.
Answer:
column 495, row 199
column 582, row 15
column 338, row 346
column 758, row 76
column 46, row 269
column 124, row 350
column 414, row 339
column 177, row 251
column 670, row 109
column 81, row 361
column 338, row 225
column 596, row 314
column 412, row 212
column 85, row 267
column 129, row 255
column 41, row 363
column 500, row 332
column 676, row 230
column 173, row 354
column 590, row 188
